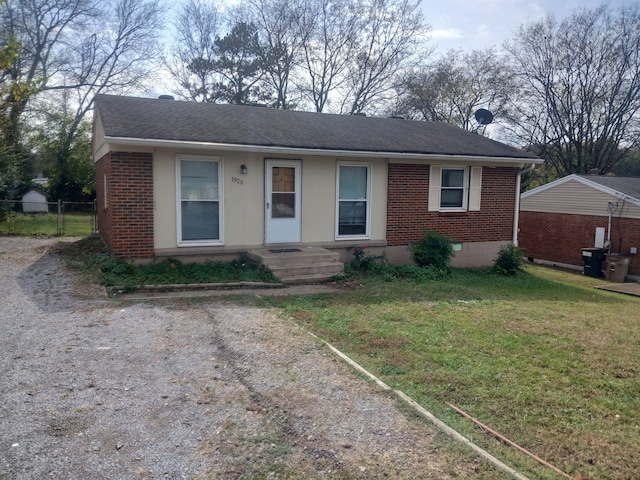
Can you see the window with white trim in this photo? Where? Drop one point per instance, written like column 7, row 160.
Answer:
column 454, row 189
column 353, row 200
column 199, row 210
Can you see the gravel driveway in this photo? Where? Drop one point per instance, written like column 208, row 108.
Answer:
column 93, row 388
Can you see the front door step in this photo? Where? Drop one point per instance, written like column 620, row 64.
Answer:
column 299, row 264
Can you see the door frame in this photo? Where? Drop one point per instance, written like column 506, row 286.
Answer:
column 282, row 230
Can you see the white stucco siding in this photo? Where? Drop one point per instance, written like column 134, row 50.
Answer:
column 319, row 198
column 243, row 208
column 574, row 197
column 379, row 178
column 164, row 200
column 244, row 197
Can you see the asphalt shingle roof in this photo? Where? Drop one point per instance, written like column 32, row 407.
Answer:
column 627, row 185
column 161, row 119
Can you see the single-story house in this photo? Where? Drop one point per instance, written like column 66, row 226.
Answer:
column 560, row 219
column 34, row 200
column 193, row 180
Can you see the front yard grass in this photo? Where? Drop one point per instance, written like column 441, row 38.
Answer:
column 74, row 224
column 542, row 357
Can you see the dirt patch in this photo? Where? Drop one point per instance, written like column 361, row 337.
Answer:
column 176, row 388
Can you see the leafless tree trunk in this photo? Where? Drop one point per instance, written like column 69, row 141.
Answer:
column 454, row 87
column 579, row 94
column 282, row 33
column 80, row 46
column 390, row 40
column 193, row 55
column 328, row 49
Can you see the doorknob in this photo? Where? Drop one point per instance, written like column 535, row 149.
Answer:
column 267, row 205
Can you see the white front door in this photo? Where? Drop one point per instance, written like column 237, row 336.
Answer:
column 282, row 204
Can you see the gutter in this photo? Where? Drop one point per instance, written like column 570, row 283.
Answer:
column 516, row 216
column 278, row 150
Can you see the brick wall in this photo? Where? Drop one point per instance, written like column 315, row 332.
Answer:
column 408, row 216
column 560, row 237
column 125, row 222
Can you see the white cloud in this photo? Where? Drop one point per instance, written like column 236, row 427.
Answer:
column 449, row 33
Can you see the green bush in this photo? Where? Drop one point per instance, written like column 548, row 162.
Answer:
column 434, row 250
column 509, row 260
column 363, row 262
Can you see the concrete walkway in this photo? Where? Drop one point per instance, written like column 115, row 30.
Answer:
column 632, row 288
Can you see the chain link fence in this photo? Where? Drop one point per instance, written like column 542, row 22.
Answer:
column 31, row 217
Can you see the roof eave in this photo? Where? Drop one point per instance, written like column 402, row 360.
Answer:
column 279, row 150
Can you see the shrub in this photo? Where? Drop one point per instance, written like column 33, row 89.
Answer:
column 433, row 250
column 509, row 260
column 363, row 262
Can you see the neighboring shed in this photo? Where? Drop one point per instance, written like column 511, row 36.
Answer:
column 559, row 219
column 34, row 201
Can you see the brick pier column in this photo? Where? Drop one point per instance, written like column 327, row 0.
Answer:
column 124, row 193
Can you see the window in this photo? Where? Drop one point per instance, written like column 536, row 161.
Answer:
column 454, row 189
column 283, row 192
column 353, row 201
column 199, row 201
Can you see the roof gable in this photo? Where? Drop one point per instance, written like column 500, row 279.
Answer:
column 621, row 187
column 170, row 120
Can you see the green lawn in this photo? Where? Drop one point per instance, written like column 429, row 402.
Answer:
column 73, row 224
column 543, row 358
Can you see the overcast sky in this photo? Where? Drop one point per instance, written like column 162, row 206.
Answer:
column 477, row 24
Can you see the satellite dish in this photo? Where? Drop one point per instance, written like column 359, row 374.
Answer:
column 484, row 116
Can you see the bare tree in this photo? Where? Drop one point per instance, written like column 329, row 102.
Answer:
column 455, row 86
column 579, row 96
column 61, row 49
column 41, row 28
column 283, row 31
column 193, row 55
column 390, row 40
column 119, row 59
column 328, row 49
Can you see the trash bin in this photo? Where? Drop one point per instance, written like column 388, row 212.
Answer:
column 593, row 258
column 617, row 267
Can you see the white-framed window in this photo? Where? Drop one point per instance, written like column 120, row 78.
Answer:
column 454, row 189
column 353, row 192
column 199, row 190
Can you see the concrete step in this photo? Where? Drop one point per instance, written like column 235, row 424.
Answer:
column 324, row 268
column 279, row 257
column 298, row 264
column 306, row 279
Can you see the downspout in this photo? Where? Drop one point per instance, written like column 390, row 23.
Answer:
column 516, row 217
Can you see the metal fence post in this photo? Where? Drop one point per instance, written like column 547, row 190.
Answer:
column 60, row 229
column 94, row 218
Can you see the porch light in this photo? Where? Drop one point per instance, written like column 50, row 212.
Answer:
column 243, row 169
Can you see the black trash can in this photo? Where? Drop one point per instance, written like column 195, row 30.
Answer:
column 593, row 259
